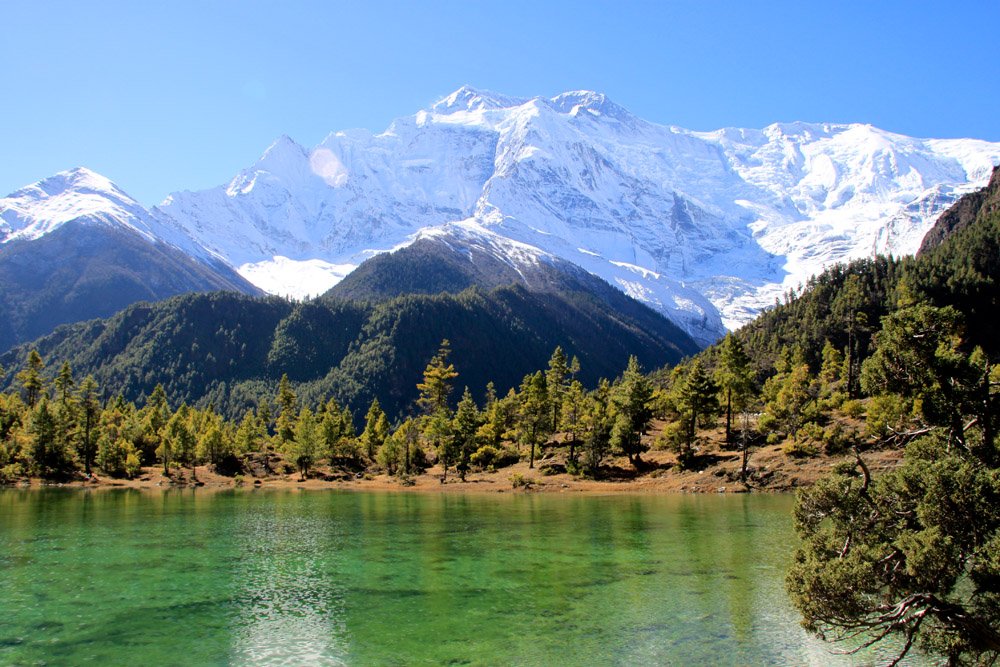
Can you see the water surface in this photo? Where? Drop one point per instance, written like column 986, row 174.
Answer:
column 329, row 578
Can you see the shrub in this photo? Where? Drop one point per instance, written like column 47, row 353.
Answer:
column 799, row 450
column 489, row 457
column 853, row 408
column 837, row 438
column 518, row 481
column 133, row 466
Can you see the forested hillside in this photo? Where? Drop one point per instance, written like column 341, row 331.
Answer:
column 897, row 354
column 229, row 350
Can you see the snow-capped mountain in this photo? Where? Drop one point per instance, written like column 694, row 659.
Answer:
column 74, row 246
column 708, row 227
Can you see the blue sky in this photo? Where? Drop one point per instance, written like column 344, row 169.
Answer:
column 181, row 95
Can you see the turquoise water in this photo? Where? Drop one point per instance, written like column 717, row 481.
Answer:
column 329, row 578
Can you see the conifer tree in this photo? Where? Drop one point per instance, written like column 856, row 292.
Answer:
column 466, row 423
column 376, row 430
column 288, row 405
column 437, row 384
column 533, row 413
column 734, row 376
column 31, row 378
column 631, row 398
column 90, row 411
column 574, row 405
column 697, row 398
column 64, row 383
column 556, row 379
column 305, row 446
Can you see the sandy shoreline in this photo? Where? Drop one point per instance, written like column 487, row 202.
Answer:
column 774, row 472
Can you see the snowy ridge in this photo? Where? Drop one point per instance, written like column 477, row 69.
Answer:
column 75, row 195
column 707, row 227
column 81, row 196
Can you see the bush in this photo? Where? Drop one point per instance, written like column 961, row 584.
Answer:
column 489, row 457
column 799, row 450
column 133, row 466
column 835, row 400
column 11, row 473
column 853, row 408
column 886, row 413
column 837, row 438
column 518, row 481
column 672, row 439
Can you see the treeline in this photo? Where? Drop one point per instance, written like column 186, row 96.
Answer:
column 60, row 429
column 229, row 351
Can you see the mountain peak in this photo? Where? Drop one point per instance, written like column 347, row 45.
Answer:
column 79, row 179
column 77, row 194
column 468, row 98
column 597, row 103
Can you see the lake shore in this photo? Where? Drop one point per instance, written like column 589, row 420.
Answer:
column 772, row 471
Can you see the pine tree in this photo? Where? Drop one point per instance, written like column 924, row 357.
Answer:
column 464, row 427
column 556, row 379
column 31, row 378
column 631, row 398
column 376, row 430
column 734, row 376
column 288, row 405
column 574, row 405
column 697, row 398
column 533, row 413
column 305, row 446
column 64, row 383
column 437, row 384
column 90, row 412
column 42, row 430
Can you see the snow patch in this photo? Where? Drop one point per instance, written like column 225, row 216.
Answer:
column 298, row 279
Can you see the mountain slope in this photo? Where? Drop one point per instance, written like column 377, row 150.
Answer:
column 706, row 227
column 231, row 350
column 74, row 247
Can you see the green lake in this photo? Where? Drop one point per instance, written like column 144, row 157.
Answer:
column 329, row 578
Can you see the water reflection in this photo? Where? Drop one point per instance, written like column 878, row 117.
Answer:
column 336, row 578
column 289, row 604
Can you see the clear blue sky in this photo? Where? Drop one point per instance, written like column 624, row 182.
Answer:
column 163, row 96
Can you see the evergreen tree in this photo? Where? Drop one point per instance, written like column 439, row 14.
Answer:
column 631, row 398
column 64, row 383
column 918, row 354
column 212, row 446
column 533, row 413
column 288, row 405
column 180, row 441
column 31, row 378
column 437, row 384
column 464, row 427
column 42, row 431
column 90, row 412
column 697, row 397
column 734, row 376
column 376, row 430
column 573, row 411
column 556, row 380
column 306, row 445
column 597, row 424
column 250, row 435
column 848, row 308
